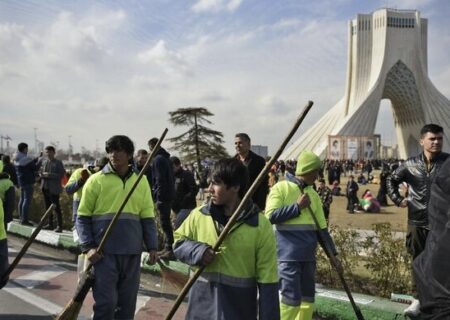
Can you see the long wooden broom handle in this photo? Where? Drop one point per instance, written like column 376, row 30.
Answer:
column 125, row 201
column 28, row 243
column 333, row 261
column 235, row 215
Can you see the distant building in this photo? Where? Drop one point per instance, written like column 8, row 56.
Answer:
column 263, row 151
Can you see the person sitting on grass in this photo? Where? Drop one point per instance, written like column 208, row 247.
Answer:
column 336, row 190
column 361, row 179
column 369, row 203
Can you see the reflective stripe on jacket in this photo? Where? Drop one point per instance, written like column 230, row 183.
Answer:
column 245, row 266
column 296, row 231
column 103, row 194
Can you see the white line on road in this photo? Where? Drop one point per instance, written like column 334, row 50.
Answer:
column 31, row 298
column 36, row 278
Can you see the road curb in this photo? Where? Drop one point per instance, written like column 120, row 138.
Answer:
column 65, row 241
column 62, row 240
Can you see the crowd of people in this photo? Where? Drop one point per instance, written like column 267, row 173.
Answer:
column 257, row 273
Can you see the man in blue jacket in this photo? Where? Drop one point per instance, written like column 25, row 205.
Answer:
column 26, row 168
column 163, row 191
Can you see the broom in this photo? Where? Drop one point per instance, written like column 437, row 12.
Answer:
column 236, row 213
column 27, row 244
column 73, row 307
column 326, row 247
column 175, row 278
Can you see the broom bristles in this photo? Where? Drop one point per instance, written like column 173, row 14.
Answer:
column 175, row 278
column 70, row 311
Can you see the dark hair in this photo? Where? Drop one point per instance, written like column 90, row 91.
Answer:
column 120, row 143
column 22, row 146
column 243, row 136
column 321, row 180
column 50, row 148
column 6, row 159
column 103, row 161
column 152, row 142
column 431, row 127
column 232, row 173
column 141, row 152
column 176, row 161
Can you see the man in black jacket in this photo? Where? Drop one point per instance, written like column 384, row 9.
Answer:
column 185, row 192
column 418, row 172
column 163, row 191
column 255, row 164
column 431, row 267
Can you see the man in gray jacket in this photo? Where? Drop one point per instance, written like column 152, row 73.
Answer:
column 51, row 173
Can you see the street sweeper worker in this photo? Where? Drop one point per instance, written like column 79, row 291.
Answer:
column 240, row 281
column 296, row 235
column 77, row 180
column 4, row 264
column 117, row 267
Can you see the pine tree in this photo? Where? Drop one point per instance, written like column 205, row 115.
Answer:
column 199, row 142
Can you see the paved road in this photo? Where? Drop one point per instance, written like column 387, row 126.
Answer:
column 45, row 281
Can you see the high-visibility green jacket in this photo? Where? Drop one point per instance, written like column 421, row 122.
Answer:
column 296, row 231
column 2, row 224
column 8, row 196
column 3, row 248
column 103, row 194
column 244, row 266
column 5, row 185
column 74, row 185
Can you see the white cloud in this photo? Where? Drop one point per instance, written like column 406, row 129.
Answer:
column 216, row 5
column 171, row 62
column 232, row 5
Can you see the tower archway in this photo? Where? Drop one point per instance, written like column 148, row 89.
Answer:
column 387, row 60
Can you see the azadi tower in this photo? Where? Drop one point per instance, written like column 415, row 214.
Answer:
column 387, row 59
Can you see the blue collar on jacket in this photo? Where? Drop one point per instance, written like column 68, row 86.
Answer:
column 290, row 177
column 109, row 169
column 249, row 215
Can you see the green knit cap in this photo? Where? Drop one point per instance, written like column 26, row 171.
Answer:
column 307, row 161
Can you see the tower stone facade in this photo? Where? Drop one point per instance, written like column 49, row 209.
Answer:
column 387, row 59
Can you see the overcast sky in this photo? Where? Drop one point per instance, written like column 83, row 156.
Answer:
column 92, row 69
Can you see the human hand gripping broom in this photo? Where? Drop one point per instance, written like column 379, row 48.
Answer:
column 27, row 244
column 235, row 215
column 333, row 260
column 72, row 309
